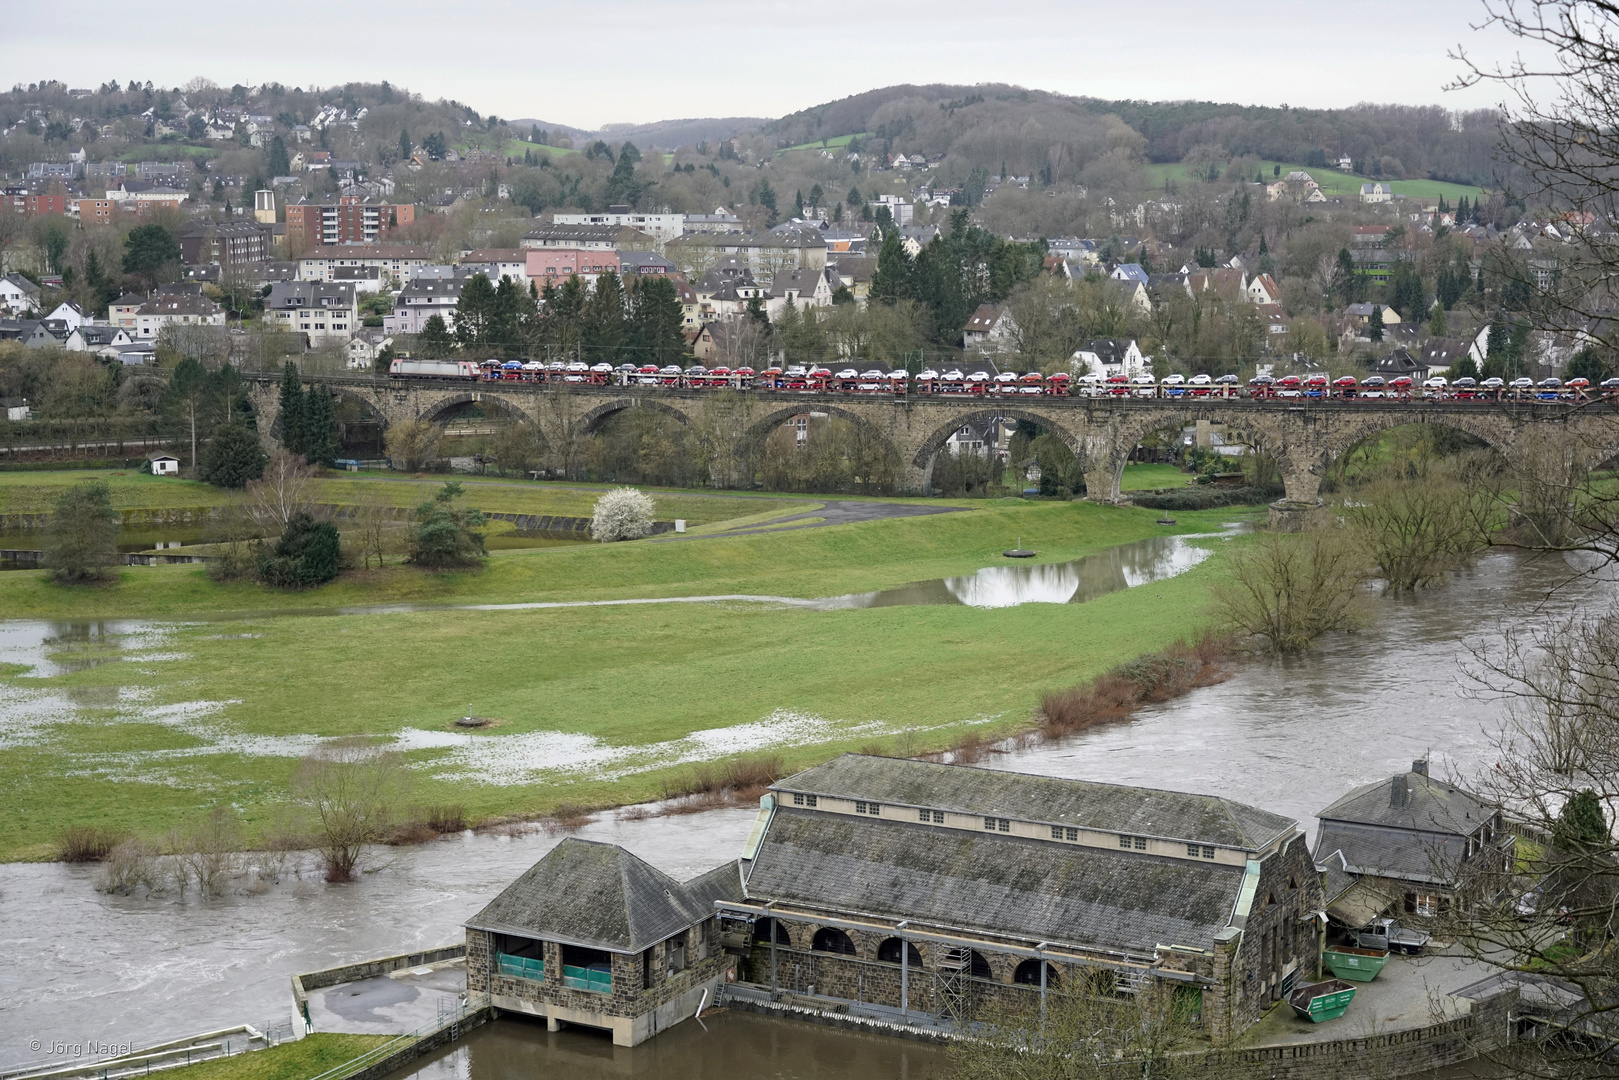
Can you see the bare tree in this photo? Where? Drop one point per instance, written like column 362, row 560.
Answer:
column 1084, row 1030
column 560, row 421
column 212, row 852
column 412, row 443
column 351, row 788
column 377, row 524
column 286, row 489
column 1560, row 144
column 1420, row 527
column 1287, row 591
column 1556, row 775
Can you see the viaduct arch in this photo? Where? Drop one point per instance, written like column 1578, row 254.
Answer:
column 1305, row 437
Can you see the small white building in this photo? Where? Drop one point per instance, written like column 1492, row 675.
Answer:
column 1376, row 193
column 161, row 464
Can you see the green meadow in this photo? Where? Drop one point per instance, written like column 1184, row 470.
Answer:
column 202, row 692
column 1333, row 183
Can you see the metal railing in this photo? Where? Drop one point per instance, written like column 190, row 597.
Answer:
column 393, row 1046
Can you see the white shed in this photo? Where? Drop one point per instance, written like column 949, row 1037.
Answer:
column 163, row 464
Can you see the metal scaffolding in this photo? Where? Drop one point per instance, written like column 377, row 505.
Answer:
column 950, row 974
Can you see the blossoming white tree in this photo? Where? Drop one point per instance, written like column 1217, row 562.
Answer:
column 621, row 514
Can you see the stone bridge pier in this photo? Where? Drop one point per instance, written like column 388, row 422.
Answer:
column 1304, row 437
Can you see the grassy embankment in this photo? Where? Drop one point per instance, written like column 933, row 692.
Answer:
column 309, row 1056
column 1333, row 183
column 37, row 492
column 203, row 714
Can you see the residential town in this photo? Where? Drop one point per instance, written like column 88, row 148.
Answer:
column 1291, row 281
column 960, row 581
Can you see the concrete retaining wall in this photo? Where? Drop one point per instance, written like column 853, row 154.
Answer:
column 442, row 1035
column 367, row 969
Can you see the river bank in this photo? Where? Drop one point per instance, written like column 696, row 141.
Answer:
column 1287, row 735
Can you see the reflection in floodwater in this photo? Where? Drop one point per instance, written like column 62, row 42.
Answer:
column 1075, row 582
column 735, row 1045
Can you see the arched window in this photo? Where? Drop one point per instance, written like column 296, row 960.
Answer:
column 831, row 939
column 980, row 967
column 888, row 953
column 761, row 932
column 1028, row 974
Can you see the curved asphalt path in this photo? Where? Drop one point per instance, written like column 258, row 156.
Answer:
column 832, row 512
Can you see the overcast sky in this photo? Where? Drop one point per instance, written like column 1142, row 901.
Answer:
column 592, row 62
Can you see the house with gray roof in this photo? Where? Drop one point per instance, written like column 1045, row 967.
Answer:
column 975, row 884
column 1405, row 846
column 592, row 935
column 18, row 294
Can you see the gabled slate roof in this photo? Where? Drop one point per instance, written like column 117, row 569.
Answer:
column 964, row 789
column 988, row 883
column 601, row 896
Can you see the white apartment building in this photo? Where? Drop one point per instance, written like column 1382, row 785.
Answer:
column 661, row 227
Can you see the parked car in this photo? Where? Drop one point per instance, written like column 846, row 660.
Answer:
column 1388, row 934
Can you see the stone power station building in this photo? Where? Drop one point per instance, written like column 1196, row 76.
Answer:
column 927, row 889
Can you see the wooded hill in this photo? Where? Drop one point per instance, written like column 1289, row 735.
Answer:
column 1034, row 129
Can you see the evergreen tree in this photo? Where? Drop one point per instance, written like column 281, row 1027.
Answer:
column 435, row 340
column 1264, row 249
column 404, row 145
column 276, row 160
column 233, row 457
column 152, row 254
column 1407, row 294
column 308, row 554
column 1436, row 322
column 320, row 427
column 816, row 195
column 1374, row 325
column 1582, row 827
column 1495, row 343
column 622, row 186
column 658, row 320
column 798, row 204
column 562, row 316
column 1465, row 368
column 891, row 280
column 292, row 409
column 1350, row 281
column 602, row 332
column 1587, row 364
column 513, row 311
column 475, row 313
column 444, row 535
column 767, row 199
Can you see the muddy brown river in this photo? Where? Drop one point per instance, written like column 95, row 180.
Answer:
column 1288, row 735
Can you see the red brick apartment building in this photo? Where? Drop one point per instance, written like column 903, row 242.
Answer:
column 350, row 220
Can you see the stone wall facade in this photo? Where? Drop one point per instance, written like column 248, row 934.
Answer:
column 636, row 1008
column 1238, row 979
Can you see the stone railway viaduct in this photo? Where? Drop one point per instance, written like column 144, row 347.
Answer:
column 1305, row 437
